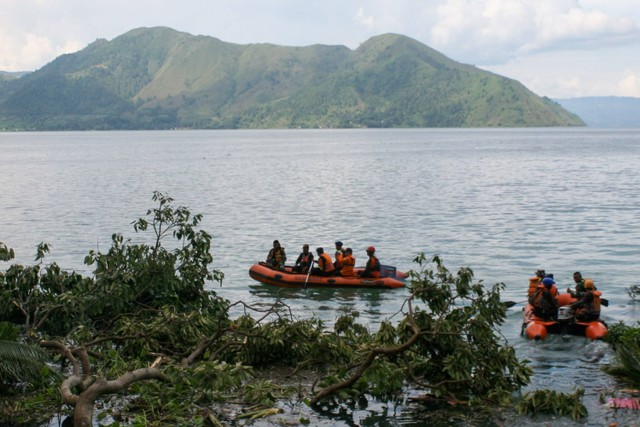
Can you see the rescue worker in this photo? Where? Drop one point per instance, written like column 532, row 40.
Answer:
column 325, row 265
column 348, row 264
column 276, row 257
column 304, row 261
column 372, row 269
column 544, row 302
column 535, row 281
column 587, row 308
column 580, row 285
column 339, row 255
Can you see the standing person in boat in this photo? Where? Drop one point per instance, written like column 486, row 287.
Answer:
column 348, row 264
column 339, row 255
column 544, row 302
column 587, row 308
column 325, row 265
column 372, row 269
column 276, row 257
column 304, row 261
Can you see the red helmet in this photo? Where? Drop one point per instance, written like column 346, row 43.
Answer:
column 371, row 249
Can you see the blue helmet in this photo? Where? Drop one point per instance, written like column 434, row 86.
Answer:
column 548, row 281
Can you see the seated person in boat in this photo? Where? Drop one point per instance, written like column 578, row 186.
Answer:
column 348, row 264
column 372, row 269
column 544, row 301
column 587, row 308
column 337, row 264
column 535, row 281
column 276, row 257
column 325, row 265
column 304, row 261
column 580, row 285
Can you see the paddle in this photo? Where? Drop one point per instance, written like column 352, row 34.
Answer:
column 308, row 273
column 509, row 304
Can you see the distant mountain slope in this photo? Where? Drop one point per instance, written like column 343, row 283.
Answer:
column 159, row 78
column 605, row 111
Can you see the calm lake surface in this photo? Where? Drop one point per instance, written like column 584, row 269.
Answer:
column 503, row 202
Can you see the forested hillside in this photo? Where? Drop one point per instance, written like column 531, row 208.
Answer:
column 159, row 78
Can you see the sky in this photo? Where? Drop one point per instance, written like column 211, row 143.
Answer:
column 556, row 48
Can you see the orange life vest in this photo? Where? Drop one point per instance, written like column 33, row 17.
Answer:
column 596, row 301
column 348, row 263
column 339, row 257
column 373, row 266
column 544, row 302
column 277, row 256
column 325, row 264
column 533, row 285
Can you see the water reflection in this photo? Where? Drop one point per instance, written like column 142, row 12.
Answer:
column 372, row 305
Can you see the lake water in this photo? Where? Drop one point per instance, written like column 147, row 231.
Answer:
column 504, row 202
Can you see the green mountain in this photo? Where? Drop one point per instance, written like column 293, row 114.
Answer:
column 159, row 78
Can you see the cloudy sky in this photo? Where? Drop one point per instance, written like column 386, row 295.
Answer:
column 557, row 48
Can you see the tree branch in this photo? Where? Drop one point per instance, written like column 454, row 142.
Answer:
column 362, row 368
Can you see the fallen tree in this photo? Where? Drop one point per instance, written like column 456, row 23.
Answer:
column 147, row 328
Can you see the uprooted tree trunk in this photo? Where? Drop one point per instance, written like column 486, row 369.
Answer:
column 90, row 389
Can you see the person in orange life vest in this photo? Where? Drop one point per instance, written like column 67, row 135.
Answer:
column 535, row 281
column 304, row 261
column 545, row 305
column 325, row 265
column 276, row 257
column 372, row 269
column 337, row 264
column 348, row 264
column 587, row 308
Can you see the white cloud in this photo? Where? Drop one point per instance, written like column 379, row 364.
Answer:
column 367, row 21
column 492, row 31
column 630, row 84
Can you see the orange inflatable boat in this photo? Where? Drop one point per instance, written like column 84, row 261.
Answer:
column 536, row 328
column 287, row 278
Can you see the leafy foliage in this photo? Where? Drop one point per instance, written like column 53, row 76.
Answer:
column 626, row 342
column 461, row 349
column 553, row 403
column 147, row 321
column 620, row 332
column 450, row 347
column 19, row 362
column 633, row 292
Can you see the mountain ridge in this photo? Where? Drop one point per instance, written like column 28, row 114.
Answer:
column 158, row 78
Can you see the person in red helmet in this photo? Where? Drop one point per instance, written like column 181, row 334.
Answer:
column 372, row 269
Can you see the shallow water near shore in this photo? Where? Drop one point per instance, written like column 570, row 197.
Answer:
column 504, row 202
